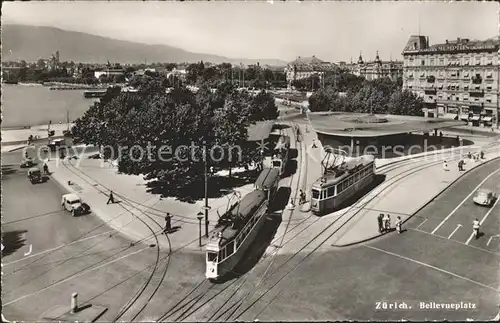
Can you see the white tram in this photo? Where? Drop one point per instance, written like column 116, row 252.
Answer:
column 238, row 227
column 341, row 182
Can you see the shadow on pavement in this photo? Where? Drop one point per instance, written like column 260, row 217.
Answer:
column 281, row 199
column 8, row 170
column 218, row 186
column 290, row 168
column 12, row 241
column 256, row 250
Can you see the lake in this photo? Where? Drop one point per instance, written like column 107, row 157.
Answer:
column 24, row 105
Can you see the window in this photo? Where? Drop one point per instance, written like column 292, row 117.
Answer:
column 478, row 60
column 466, row 62
column 441, row 61
column 211, row 256
column 466, row 74
column 351, row 181
column 431, row 61
column 488, row 88
column 466, row 87
column 489, row 74
column 315, row 194
column 230, row 248
column 422, row 62
column 422, row 74
column 222, row 254
column 488, row 99
column 323, row 194
column 331, row 191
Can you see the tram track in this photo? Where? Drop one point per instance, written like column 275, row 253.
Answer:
column 216, row 316
column 322, row 242
column 195, row 303
column 143, row 288
column 386, row 169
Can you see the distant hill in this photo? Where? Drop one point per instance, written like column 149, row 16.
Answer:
column 32, row 42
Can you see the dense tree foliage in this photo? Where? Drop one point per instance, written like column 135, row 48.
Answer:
column 348, row 93
column 176, row 129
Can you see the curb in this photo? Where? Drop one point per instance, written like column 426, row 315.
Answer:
column 16, row 149
column 18, row 142
column 419, row 209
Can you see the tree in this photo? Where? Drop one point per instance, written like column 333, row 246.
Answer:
column 405, row 103
column 320, row 101
column 263, row 107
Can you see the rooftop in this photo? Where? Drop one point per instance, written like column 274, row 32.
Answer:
column 420, row 44
column 306, row 60
column 260, row 130
column 366, row 125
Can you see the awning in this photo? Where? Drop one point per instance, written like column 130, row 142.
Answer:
column 474, row 118
column 464, row 117
column 487, row 119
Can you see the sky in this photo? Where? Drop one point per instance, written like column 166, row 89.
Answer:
column 332, row 31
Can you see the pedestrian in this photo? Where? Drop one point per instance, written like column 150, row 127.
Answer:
column 168, row 223
column 475, row 228
column 387, row 222
column 111, row 198
column 314, row 143
column 461, row 142
column 445, row 166
column 482, row 154
column 458, row 140
column 399, row 223
column 380, row 222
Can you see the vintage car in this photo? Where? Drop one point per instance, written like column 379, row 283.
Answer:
column 35, row 175
column 27, row 163
column 74, row 204
column 484, row 197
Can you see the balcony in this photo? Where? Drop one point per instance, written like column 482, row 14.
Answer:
column 476, row 92
column 430, row 90
column 431, row 79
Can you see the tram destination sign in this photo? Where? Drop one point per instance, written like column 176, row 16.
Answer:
column 463, row 47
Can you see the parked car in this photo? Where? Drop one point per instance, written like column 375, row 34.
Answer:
column 73, row 204
column 27, row 163
column 35, row 175
column 484, row 197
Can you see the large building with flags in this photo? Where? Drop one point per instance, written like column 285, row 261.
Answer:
column 305, row 67
column 458, row 79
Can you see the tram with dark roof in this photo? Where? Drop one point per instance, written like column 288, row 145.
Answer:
column 280, row 154
column 238, row 227
column 341, row 183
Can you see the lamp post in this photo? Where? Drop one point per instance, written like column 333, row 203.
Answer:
column 199, row 216
column 206, row 207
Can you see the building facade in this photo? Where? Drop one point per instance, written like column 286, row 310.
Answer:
column 458, row 79
column 377, row 69
column 305, row 67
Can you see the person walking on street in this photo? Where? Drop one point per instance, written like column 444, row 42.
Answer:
column 168, row 223
column 445, row 166
column 399, row 223
column 380, row 222
column 314, row 143
column 475, row 228
column 111, row 198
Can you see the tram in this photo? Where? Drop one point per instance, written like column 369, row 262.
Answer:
column 238, row 227
column 280, row 156
column 341, row 182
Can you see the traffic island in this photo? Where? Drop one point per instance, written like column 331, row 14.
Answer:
column 75, row 313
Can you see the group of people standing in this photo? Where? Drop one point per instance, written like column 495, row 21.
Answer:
column 384, row 223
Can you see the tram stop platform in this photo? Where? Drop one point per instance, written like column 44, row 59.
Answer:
column 399, row 200
column 358, row 223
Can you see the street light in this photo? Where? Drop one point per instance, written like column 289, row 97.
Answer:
column 199, row 216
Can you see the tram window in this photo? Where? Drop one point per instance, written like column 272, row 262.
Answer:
column 211, row 256
column 315, row 194
column 230, row 248
column 331, row 191
column 351, row 180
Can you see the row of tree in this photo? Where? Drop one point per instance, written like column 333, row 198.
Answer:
column 178, row 119
column 252, row 76
column 348, row 93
